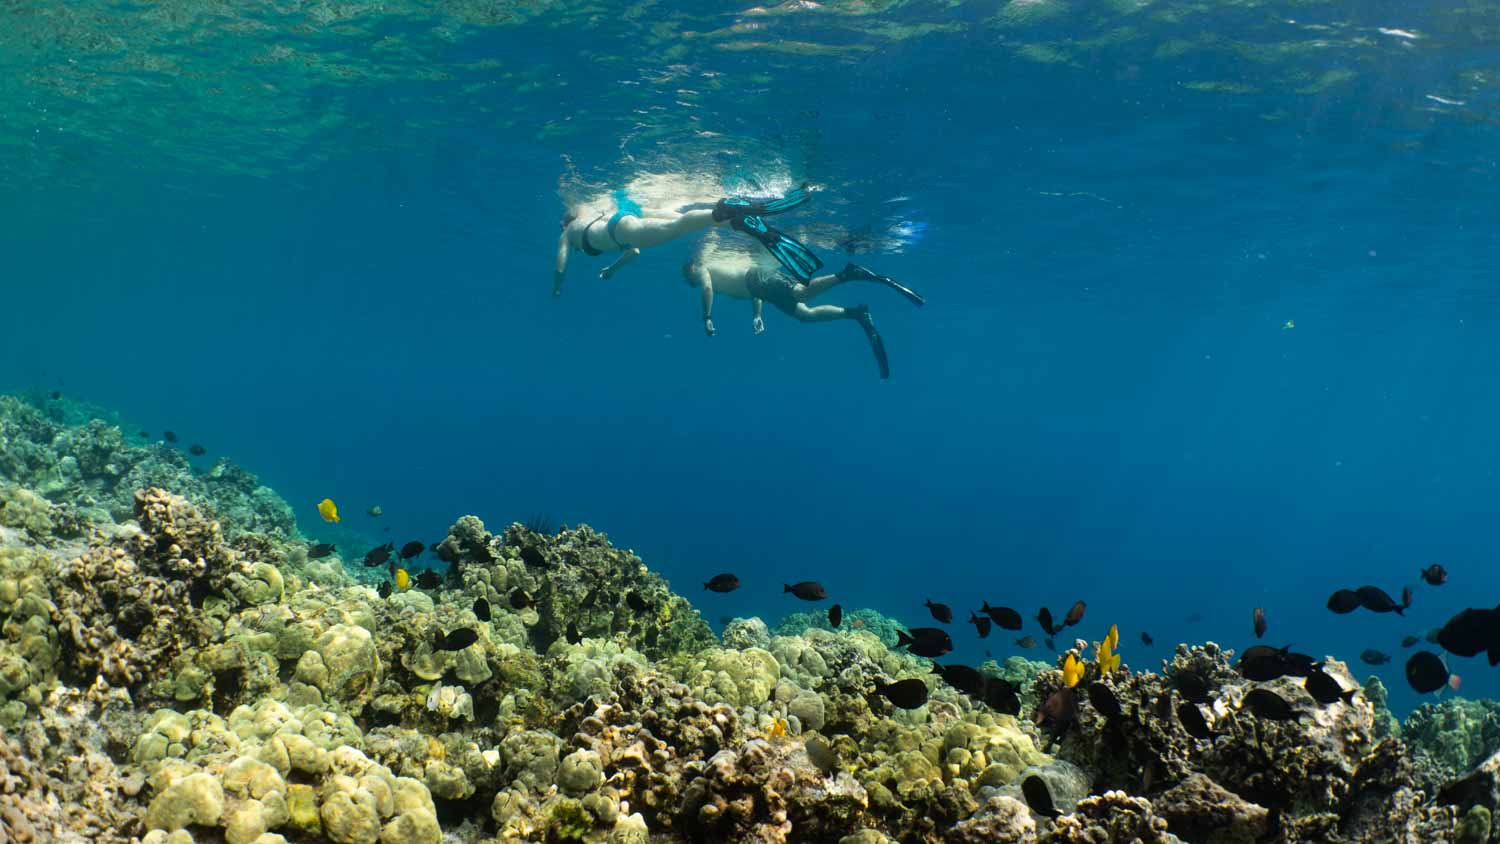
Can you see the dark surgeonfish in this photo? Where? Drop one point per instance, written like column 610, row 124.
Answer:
column 1435, row 575
column 429, row 579
column 379, row 554
column 412, row 549
column 1344, row 601
column 1471, row 631
column 835, row 615
column 1026, row 642
column 807, row 590
column 320, row 550
column 931, row 642
column 1038, row 796
column 1408, row 641
column 1146, row 639
column 1104, row 700
column 1193, row 722
column 1044, row 618
column 1000, row 695
column 384, row 589
column 725, row 582
column 904, row 694
column 1263, row 663
column 941, row 612
column 981, row 623
column 197, row 450
column 1325, row 689
column 169, row 436
column 1191, row 685
column 482, row 609
column 1426, row 672
column 962, row 677
column 1058, row 710
column 1268, row 705
column 457, row 640
column 1005, row 617
column 1374, row 657
column 1075, row 614
column 520, row 599
column 1259, row 617
column 1375, row 599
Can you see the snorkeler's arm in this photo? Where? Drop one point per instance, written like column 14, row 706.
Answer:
column 626, row 256
column 562, row 264
column 757, row 323
column 706, row 291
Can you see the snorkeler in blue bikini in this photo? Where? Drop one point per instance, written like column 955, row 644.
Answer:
column 631, row 228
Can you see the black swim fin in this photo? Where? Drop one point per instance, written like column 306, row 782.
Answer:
column 877, row 345
column 732, row 207
column 788, row 251
column 854, row 272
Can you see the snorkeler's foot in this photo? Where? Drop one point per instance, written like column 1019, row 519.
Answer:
column 861, row 314
column 734, row 207
column 854, row 272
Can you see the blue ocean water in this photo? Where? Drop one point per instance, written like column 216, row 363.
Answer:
column 1210, row 319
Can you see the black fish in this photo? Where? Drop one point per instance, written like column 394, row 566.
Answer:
column 1048, row 642
column 835, row 616
column 1059, row 710
column 1325, row 689
column 1408, row 641
column 378, row 555
column 519, row 599
column 1044, row 618
column 1001, row 696
column 1425, row 672
column 1026, row 642
column 1074, row 615
column 429, row 579
column 1344, row 601
column 634, row 600
column 412, row 549
column 1104, row 700
column 1146, row 638
column 807, row 590
column 905, row 694
column 145, row 435
column 1259, row 617
column 481, row 609
column 941, row 612
column 1263, row 663
column 930, row 642
column 981, row 623
column 457, row 640
column 1405, row 597
column 1193, row 722
column 197, row 450
column 1269, row 705
column 56, row 394
column 1006, row 617
column 1374, row 657
column 1435, row 575
column 1038, row 797
column 1470, row 632
column 169, row 436
column 722, row 583
column 320, row 550
column 1374, row 599
column 384, row 589
column 1191, row 685
column 961, row 677
column 572, row 634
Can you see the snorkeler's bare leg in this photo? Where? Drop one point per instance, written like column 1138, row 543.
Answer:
column 817, row 287
column 757, row 324
column 821, row 313
column 656, row 230
column 626, row 256
column 562, row 264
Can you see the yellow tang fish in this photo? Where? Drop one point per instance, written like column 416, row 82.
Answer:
column 1072, row 671
column 328, row 510
column 403, row 580
column 1108, row 659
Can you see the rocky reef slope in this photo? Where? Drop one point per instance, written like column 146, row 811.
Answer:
column 174, row 668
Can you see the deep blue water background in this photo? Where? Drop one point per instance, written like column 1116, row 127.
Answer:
column 1101, row 399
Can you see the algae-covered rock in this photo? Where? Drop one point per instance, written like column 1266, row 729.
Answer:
column 350, row 667
column 580, row 772
column 196, row 799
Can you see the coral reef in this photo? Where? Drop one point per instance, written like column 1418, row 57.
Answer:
column 173, row 668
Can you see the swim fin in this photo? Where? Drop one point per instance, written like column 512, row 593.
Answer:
column 731, row 207
column 854, row 272
column 788, row 251
column 877, row 345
